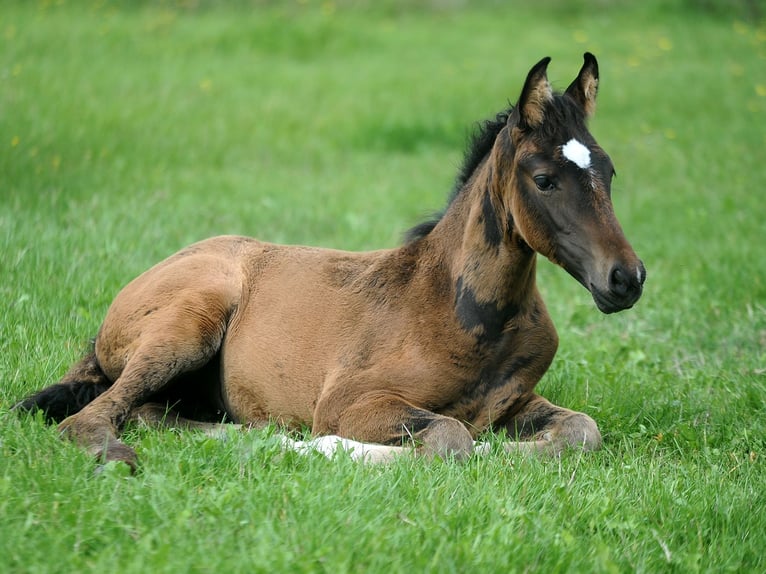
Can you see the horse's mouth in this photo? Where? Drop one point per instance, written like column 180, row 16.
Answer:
column 610, row 303
column 606, row 300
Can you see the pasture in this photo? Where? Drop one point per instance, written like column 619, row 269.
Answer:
column 128, row 130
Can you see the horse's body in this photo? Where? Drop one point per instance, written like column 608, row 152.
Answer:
column 436, row 340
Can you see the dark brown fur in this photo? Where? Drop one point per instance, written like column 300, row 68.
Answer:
column 436, row 340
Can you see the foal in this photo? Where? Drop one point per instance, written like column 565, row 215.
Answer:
column 434, row 341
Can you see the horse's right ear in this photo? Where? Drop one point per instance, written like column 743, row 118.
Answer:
column 537, row 92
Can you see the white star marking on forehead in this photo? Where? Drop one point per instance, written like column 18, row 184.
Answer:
column 577, row 153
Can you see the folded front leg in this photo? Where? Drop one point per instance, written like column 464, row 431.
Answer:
column 545, row 427
column 387, row 419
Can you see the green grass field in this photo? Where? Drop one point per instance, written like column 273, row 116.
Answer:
column 128, row 130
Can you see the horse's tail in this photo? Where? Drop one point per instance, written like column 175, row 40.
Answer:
column 83, row 383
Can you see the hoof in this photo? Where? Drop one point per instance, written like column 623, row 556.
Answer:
column 579, row 431
column 98, row 438
column 117, row 469
column 115, row 451
column 446, row 438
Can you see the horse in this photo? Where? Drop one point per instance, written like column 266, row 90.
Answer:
column 423, row 346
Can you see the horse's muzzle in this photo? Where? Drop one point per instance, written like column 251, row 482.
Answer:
column 624, row 287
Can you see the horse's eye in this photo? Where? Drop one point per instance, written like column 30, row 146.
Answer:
column 544, row 183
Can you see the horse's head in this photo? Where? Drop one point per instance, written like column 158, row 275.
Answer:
column 558, row 189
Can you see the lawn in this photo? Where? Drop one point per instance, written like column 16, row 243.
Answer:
column 130, row 129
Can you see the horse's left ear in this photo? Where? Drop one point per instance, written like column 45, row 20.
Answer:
column 585, row 87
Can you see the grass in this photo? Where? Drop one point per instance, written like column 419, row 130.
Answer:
column 129, row 130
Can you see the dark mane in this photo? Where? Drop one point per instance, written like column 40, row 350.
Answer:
column 479, row 145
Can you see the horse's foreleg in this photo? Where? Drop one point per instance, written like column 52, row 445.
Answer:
column 545, row 427
column 389, row 420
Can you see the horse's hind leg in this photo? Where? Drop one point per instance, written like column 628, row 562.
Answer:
column 545, row 427
column 161, row 416
column 178, row 339
column 157, row 415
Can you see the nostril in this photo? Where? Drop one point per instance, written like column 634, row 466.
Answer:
column 626, row 283
column 618, row 281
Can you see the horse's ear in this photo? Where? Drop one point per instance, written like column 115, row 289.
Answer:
column 585, row 87
column 536, row 93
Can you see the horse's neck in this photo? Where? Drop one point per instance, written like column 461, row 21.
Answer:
column 483, row 251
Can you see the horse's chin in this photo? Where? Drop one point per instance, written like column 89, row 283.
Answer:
column 609, row 305
column 606, row 301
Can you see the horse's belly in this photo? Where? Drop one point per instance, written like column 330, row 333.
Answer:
column 265, row 377
column 267, row 392
column 277, row 352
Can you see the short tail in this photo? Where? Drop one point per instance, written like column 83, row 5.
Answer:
column 83, row 383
